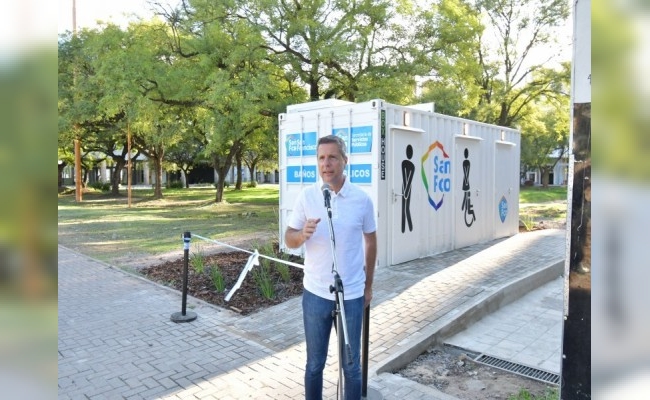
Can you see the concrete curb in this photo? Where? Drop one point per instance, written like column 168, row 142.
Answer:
column 453, row 323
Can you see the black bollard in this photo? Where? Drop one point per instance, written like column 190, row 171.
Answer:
column 185, row 316
column 371, row 394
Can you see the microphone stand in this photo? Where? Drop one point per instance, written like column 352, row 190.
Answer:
column 339, row 312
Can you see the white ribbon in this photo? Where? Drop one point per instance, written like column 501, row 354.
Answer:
column 253, row 260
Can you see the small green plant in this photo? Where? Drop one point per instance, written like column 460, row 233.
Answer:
column 174, row 184
column 527, row 221
column 198, row 262
column 267, row 249
column 549, row 394
column 217, row 279
column 283, row 270
column 263, row 279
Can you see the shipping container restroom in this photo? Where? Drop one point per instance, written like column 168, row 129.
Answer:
column 437, row 182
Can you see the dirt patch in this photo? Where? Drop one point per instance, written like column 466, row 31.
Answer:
column 454, row 372
column 536, row 216
column 538, row 225
column 247, row 299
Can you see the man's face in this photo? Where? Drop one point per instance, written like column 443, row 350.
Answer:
column 331, row 164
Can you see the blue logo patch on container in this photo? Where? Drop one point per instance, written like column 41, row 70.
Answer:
column 293, row 144
column 361, row 137
column 503, row 209
column 343, row 133
column 360, row 173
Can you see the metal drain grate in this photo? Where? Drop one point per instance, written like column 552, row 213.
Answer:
column 519, row 369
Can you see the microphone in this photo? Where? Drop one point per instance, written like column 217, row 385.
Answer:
column 326, row 195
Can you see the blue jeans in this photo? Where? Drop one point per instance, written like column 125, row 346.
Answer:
column 318, row 321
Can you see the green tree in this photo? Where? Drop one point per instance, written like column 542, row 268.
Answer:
column 493, row 74
column 447, row 36
column 82, row 113
column 511, row 79
column 261, row 151
column 352, row 50
column 162, row 81
column 545, row 131
column 234, row 88
column 187, row 153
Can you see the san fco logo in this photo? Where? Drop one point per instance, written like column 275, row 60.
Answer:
column 436, row 174
column 298, row 145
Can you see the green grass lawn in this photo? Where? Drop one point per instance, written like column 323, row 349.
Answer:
column 103, row 226
column 538, row 194
column 537, row 204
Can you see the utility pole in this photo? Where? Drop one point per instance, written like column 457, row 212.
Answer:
column 128, row 169
column 576, row 335
column 77, row 142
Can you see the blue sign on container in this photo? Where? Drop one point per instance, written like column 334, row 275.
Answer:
column 293, row 144
column 309, row 143
column 301, row 174
column 309, row 174
column 343, row 133
column 361, row 137
column 360, row 173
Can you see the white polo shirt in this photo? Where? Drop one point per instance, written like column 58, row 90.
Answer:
column 352, row 215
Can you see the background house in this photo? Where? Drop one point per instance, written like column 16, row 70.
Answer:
column 558, row 174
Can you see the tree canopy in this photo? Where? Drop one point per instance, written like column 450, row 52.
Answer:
column 206, row 80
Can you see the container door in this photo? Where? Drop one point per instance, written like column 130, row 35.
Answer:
column 506, row 173
column 469, row 211
column 407, row 225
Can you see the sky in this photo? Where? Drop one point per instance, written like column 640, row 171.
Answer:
column 89, row 11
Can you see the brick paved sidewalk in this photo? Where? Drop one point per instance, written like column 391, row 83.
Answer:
column 116, row 339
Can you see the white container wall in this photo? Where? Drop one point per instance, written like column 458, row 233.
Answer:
column 437, row 182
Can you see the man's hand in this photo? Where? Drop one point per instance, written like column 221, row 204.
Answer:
column 368, row 297
column 309, row 228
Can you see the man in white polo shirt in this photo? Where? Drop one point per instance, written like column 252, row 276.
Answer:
column 353, row 221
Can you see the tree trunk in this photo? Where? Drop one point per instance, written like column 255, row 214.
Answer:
column 503, row 115
column 544, row 175
column 223, row 167
column 219, row 197
column 251, row 170
column 157, row 190
column 313, row 89
column 60, row 175
column 238, row 157
column 187, row 177
column 116, row 178
column 222, row 172
column 84, row 179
